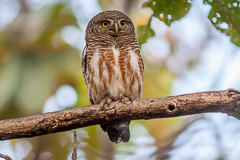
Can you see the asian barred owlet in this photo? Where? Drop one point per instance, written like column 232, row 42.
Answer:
column 112, row 65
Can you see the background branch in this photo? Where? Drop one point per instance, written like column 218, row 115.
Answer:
column 6, row 157
column 227, row 101
column 75, row 145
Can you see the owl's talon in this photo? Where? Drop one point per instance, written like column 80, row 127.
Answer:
column 120, row 97
column 102, row 106
column 130, row 99
column 104, row 101
column 109, row 101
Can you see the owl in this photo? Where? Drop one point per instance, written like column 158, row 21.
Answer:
column 112, row 66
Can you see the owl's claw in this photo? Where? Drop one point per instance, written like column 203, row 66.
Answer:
column 109, row 101
column 126, row 98
column 131, row 99
column 120, row 97
column 104, row 101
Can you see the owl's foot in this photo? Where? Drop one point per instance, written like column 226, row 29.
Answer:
column 105, row 101
column 131, row 99
column 127, row 99
column 123, row 98
column 120, row 97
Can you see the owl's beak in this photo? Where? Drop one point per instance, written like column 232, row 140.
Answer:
column 116, row 28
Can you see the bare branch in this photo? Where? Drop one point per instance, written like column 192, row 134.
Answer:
column 227, row 101
column 5, row 157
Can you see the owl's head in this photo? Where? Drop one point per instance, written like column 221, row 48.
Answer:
column 113, row 23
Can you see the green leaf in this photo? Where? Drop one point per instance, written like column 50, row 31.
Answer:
column 168, row 10
column 144, row 32
column 225, row 16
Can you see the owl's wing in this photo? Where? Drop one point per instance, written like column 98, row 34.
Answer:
column 84, row 63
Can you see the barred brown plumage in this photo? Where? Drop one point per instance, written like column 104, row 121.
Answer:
column 112, row 65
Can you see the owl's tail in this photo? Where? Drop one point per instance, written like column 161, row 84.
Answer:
column 117, row 132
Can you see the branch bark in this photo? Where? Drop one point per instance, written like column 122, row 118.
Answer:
column 227, row 101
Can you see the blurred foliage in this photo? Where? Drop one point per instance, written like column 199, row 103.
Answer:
column 36, row 61
column 226, row 13
column 223, row 12
column 158, row 89
column 144, row 32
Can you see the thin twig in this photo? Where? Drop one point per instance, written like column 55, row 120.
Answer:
column 75, row 145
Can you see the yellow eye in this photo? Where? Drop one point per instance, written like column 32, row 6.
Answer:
column 123, row 23
column 105, row 23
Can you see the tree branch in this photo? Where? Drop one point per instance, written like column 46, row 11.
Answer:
column 6, row 157
column 75, row 145
column 227, row 101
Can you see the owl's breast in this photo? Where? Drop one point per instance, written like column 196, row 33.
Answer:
column 114, row 72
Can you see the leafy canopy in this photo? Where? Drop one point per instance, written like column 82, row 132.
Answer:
column 224, row 15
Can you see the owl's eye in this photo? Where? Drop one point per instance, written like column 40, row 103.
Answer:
column 105, row 23
column 123, row 23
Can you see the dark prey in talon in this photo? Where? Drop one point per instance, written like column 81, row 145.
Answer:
column 112, row 66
